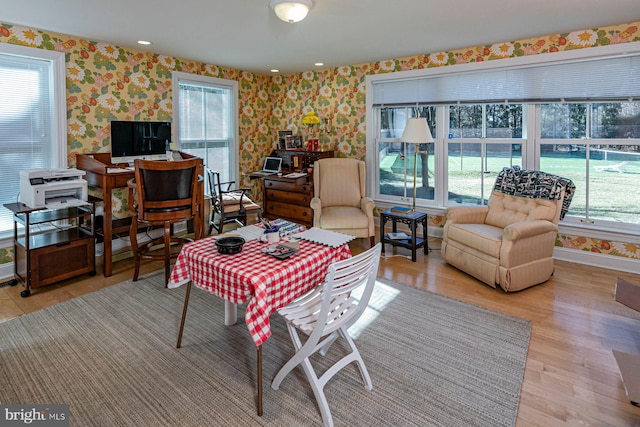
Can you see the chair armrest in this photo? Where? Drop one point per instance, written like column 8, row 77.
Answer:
column 466, row 214
column 228, row 184
column 367, row 205
column 316, row 205
column 523, row 229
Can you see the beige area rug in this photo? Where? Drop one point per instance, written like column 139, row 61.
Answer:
column 111, row 356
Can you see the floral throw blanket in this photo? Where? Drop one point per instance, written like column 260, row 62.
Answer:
column 535, row 184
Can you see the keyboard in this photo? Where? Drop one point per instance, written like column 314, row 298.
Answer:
column 262, row 173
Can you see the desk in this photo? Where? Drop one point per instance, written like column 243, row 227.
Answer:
column 288, row 198
column 267, row 283
column 101, row 173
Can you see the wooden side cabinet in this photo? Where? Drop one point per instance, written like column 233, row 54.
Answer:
column 289, row 198
column 52, row 245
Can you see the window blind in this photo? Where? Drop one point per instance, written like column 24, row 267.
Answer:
column 594, row 79
column 205, row 111
column 26, row 124
column 202, row 110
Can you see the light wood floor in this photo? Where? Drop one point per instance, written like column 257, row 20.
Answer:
column 571, row 377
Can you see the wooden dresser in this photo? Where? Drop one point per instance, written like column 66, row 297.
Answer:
column 289, row 198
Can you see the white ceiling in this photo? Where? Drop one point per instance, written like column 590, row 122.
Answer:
column 246, row 35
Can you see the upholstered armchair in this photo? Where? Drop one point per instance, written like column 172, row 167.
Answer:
column 339, row 201
column 510, row 241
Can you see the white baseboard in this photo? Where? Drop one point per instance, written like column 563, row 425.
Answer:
column 610, row 262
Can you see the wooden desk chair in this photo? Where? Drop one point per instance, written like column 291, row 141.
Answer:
column 162, row 194
column 229, row 205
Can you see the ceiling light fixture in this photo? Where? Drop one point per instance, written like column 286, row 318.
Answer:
column 291, row 11
column 144, row 42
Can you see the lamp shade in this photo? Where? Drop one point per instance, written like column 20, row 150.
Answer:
column 416, row 131
column 291, row 11
column 311, row 119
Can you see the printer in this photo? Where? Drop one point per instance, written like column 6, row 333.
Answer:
column 53, row 188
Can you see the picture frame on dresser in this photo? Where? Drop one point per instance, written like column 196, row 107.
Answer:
column 293, row 142
column 282, row 134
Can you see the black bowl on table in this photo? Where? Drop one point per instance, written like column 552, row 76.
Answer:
column 229, row 245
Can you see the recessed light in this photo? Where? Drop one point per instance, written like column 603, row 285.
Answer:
column 275, row 71
column 144, row 42
column 319, row 64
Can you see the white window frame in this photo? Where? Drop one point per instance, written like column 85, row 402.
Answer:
column 59, row 109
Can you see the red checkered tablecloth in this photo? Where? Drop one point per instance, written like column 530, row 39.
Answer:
column 266, row 282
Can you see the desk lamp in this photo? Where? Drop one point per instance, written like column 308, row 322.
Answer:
column 416, row 132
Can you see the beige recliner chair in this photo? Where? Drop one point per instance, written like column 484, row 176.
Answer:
column 339, row 201
column 510, row 241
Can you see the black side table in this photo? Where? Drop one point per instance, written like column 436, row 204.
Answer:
column 411, row 219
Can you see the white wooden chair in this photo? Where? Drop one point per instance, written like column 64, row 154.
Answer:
column 324, row 314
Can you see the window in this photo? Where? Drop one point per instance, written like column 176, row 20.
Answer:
column 576, row 115
column 597, row 146
column 205, row 124
column 32, row 119
column 396, row 159
column 482, row 139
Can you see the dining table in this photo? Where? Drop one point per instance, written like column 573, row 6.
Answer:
column 251, row 276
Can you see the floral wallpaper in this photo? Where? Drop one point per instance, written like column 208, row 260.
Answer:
column 107, row 82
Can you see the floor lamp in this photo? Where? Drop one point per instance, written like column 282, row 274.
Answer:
column 416, row 132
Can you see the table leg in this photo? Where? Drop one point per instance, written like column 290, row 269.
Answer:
column 184, row 314
column 425, row 247
column 413, row 240
column 383, row 219
column 107, row 228
column 230, row 313
column 259, row 358
column 382, row 231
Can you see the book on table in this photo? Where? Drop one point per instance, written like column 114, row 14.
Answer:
column 398, row 236
column 401, row 210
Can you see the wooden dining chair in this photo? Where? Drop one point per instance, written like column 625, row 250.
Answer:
column 163, row 193
column 228, row 204
column 324, row 315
